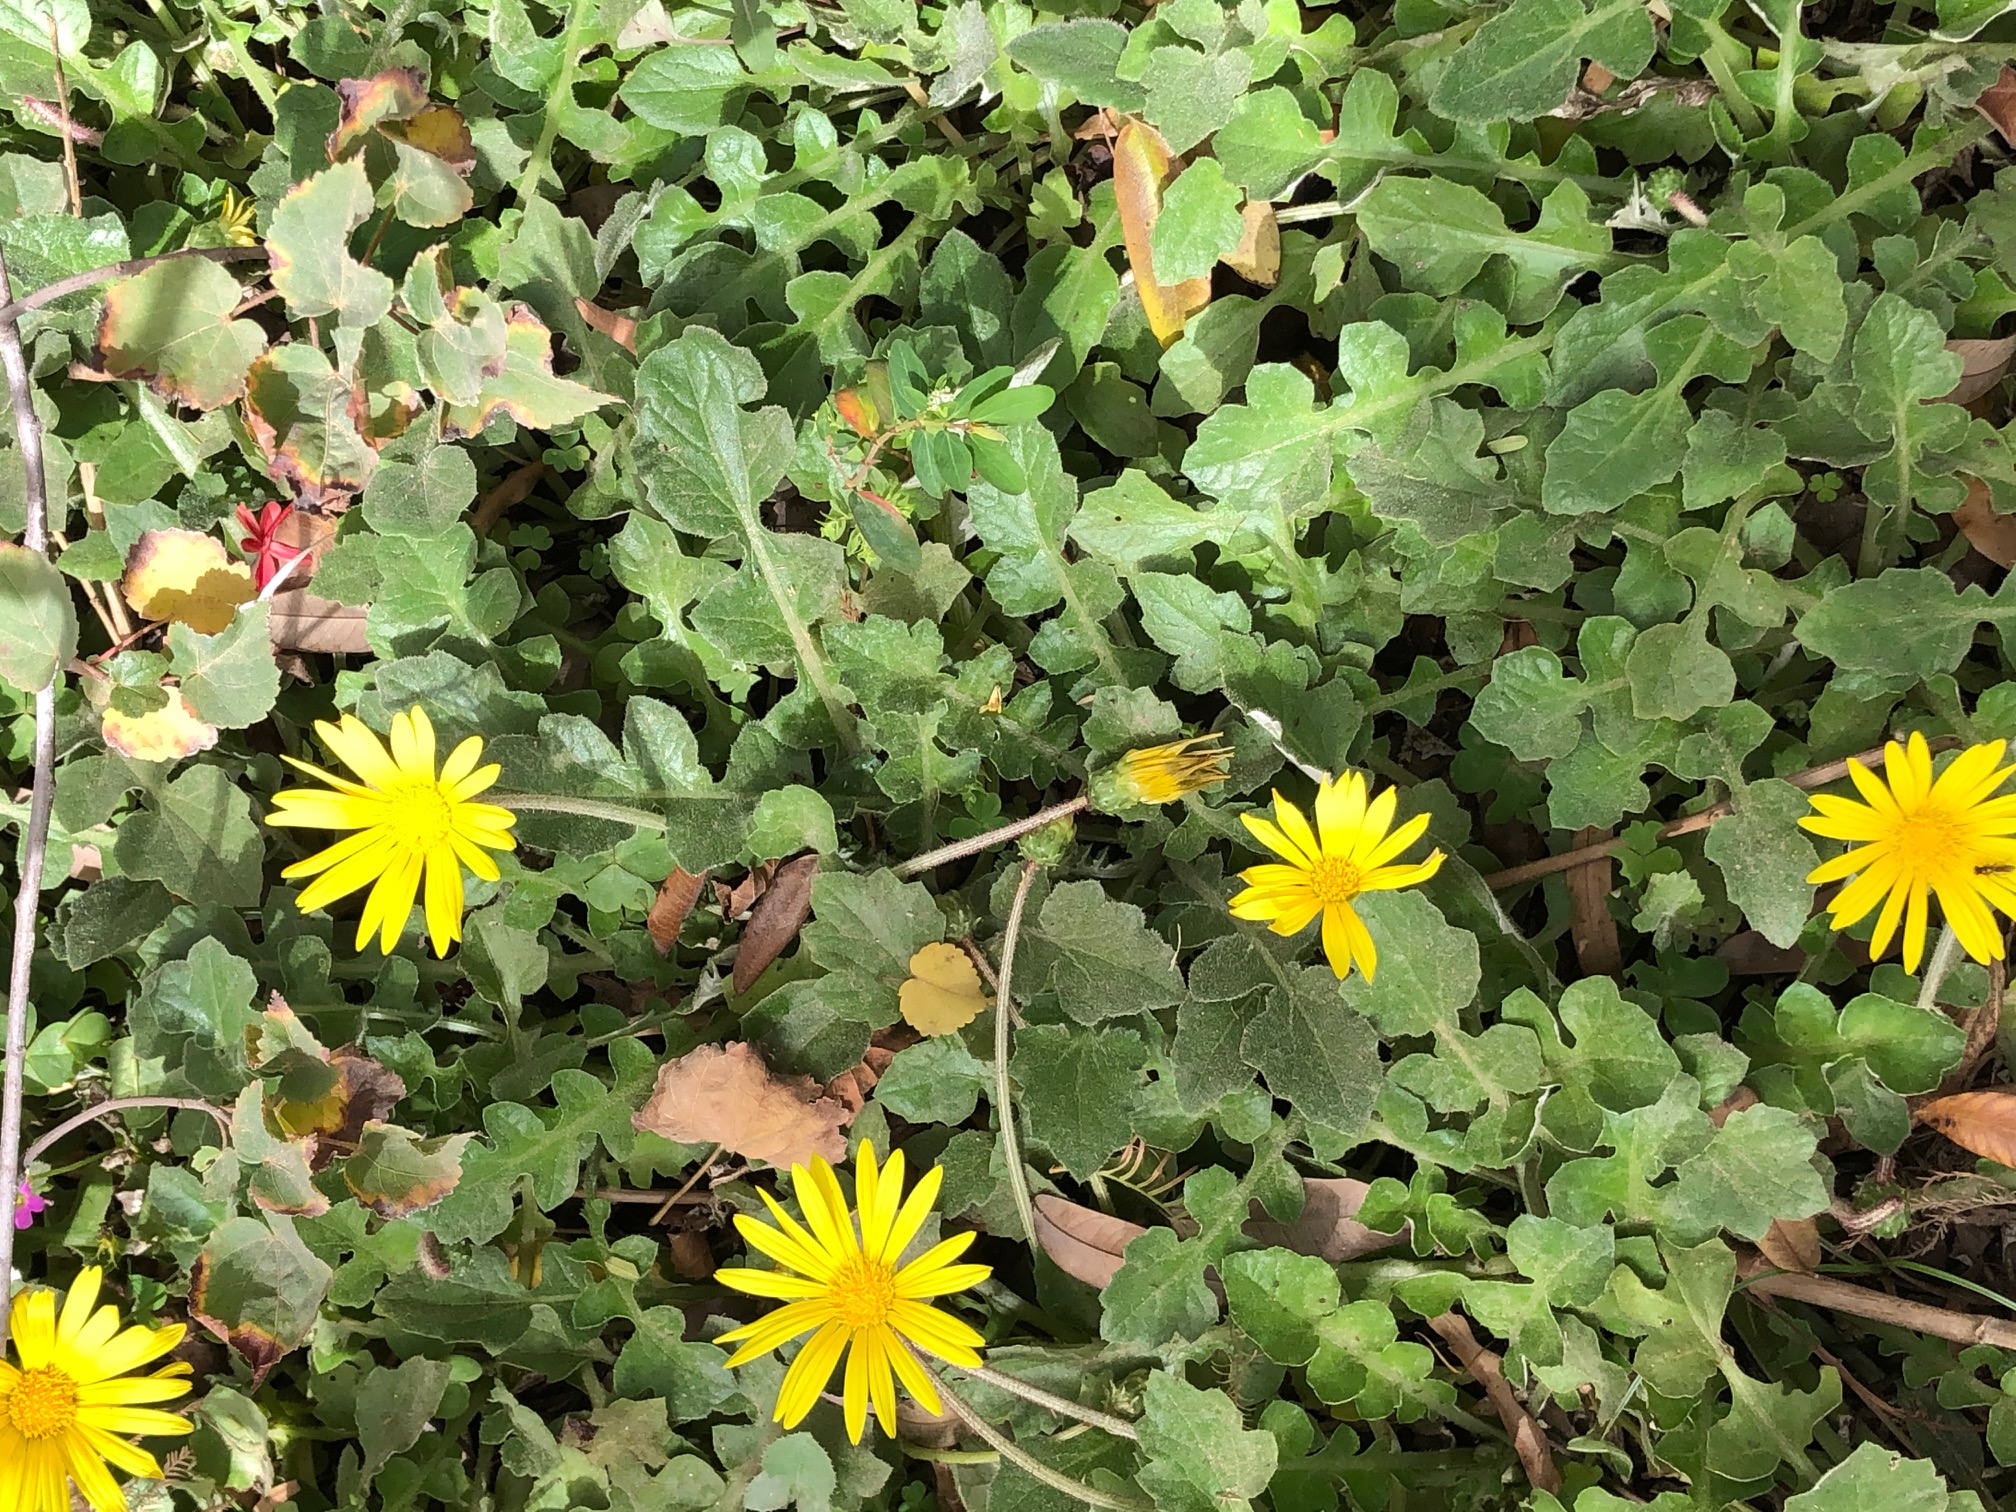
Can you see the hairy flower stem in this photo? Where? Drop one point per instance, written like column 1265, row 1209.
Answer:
column 978, row 843
column 1944, row 954
column 121, row 1105
column 1004, row 1092
column 1027, row 1463
column 1051, row 1402
column 28, row 891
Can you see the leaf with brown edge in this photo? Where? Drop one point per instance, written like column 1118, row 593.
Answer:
column 1142, row 168
column 172, row 327
column 185, row 576
column 942, row 994
column 676, row 896
column 525, row 388
column 396, row 1173
column 256, row 1286
column 397, row 94
column 300, row 412
column 165, row 734
column 1983, row 1123
column 309, row 241
column 282, row 1176
column 439, row 131
column 359, row 1091
column 1082, row 1242
column 726, row 1095
column 775, row 920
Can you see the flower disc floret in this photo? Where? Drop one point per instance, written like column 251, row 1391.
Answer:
column 412, row 824
column 1914, row 837
column 1350, row 851
column 844, row 1282
column 69, row 1407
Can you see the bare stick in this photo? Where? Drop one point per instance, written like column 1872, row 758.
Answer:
column 1582, row 855
column 28, row 895
column 706, row 1165
column 1004, row 1093
column 63, row 112
column 1879, row 1307
column 12, row 309
column 1529, row 1439
column 978, row 843
column 120, row 1105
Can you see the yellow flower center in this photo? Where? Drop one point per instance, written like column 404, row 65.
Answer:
column 863, row 1292
column 421, row 812
column 1335, row 881
column 43, row 1405
column 1936, row 839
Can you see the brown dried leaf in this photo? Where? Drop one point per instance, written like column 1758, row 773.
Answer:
column 1981, row 1122
column 1750, row 954
column 1142, row 167
column 776, row 919
column 676, row 896
column 1328, row 1226
column 1735, row 1102
column 302, row 622
column 620, row 329
column 1792, row 1245
column 1998, row 103
column 1991, row 534
column 725, row 1095
column 1082, row 1242
column 1257, row 258
column 1983, row 364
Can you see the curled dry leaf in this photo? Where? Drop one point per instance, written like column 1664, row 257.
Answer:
column 1991, row 534
column 1981, row 1122
column 1142, row 169
column 1328, row 1226
column 1082, row 1242
column 676, row 896
column 1998, row 104
column 725, row 1095
column 168, row 733
column 185, row 576
column 1983, row 364
column 619, row 328
column 776, row 919
column 1792, row 1245
column 942, row 994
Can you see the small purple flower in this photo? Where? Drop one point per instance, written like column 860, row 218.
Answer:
column 26, row 1206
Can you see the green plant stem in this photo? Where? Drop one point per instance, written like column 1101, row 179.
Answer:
column 1004, row 1092
column 1944, row 954
column 256, row 74
column 562, row 92
column 973, row 845
column 1028, row 1464
column 1051, row 1402
column 585, row 808
column 1717, row 61
column 42, row 797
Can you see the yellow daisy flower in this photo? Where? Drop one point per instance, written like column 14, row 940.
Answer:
column 1915, row 835
column 852, row 1291
column 64, row 1408
column 1165, row 773
column 409, row 821
column 1348, row 852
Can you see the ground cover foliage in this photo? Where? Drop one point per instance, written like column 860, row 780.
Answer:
column 830, row 432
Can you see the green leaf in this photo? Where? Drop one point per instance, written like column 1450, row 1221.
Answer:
column 1676, row 672
column 796, row 1473
column 257, row 1286
column 38, row 622
column 228, row 679
column 1199, row 222
column 938, row 1081
column 1277, row 1297
column 300, row 411
column 658, row 1360
column 1078, row 1091
column 1316, row 1051
column 197, row 839
column 396, row 1173
column 1765, row 857
column 1199, row 1456
column 1081, row 55
column 394, row 1404
column 526, row 389
column 171, row 325
column 1530, row 707
column 1098, row 955
column 1523, row 62
column 309, row 240
column 1873, row 1476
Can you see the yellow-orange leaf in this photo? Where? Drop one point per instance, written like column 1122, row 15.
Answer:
column 167, row 734
column 184, row 575
column 1257, row 258
column 943, row 992
column 1142, row 168
column 1983, row 1122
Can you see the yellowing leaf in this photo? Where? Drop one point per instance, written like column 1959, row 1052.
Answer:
column 172, row 326
column 184, row 575
column 943, row 993
column 167, row 734
column 397, row 94
column 1142, row 168
column 1257, row 258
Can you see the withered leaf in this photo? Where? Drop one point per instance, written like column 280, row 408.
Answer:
column 184, row 575
column 1083, row 1242
column 1792, row 1245
column 165, row 734
column 1981, row 1122
column 676, row 896
column 725, row 1095
column 776, row 919
column 1142, row 169
column 396, row 1173
column 1328, row 1226
column 1991, row 534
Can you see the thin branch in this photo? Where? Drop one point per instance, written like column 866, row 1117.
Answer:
column 35, row 841
column 1582, row 855
column 1878, row 1307
column 978, row 843
column 120, row 1105
column 1027, row 1463
column 12, row 309
column 706, row 1165
column 1004, row 1092
column 63, row 112
column 1486, row 1368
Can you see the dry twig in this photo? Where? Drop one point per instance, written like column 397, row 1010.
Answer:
column 1529, row 1439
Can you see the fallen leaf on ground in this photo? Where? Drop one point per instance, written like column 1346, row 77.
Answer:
column 1328, row 1226
column 1792, row 1245
column 1981, row 1122
column 942, row 994
column 776, row 919
column 725, row 1095
column 1083, row 1242
column 1257, row 258
column 676, row 896
column 1983, row 362
column 1991, row 534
